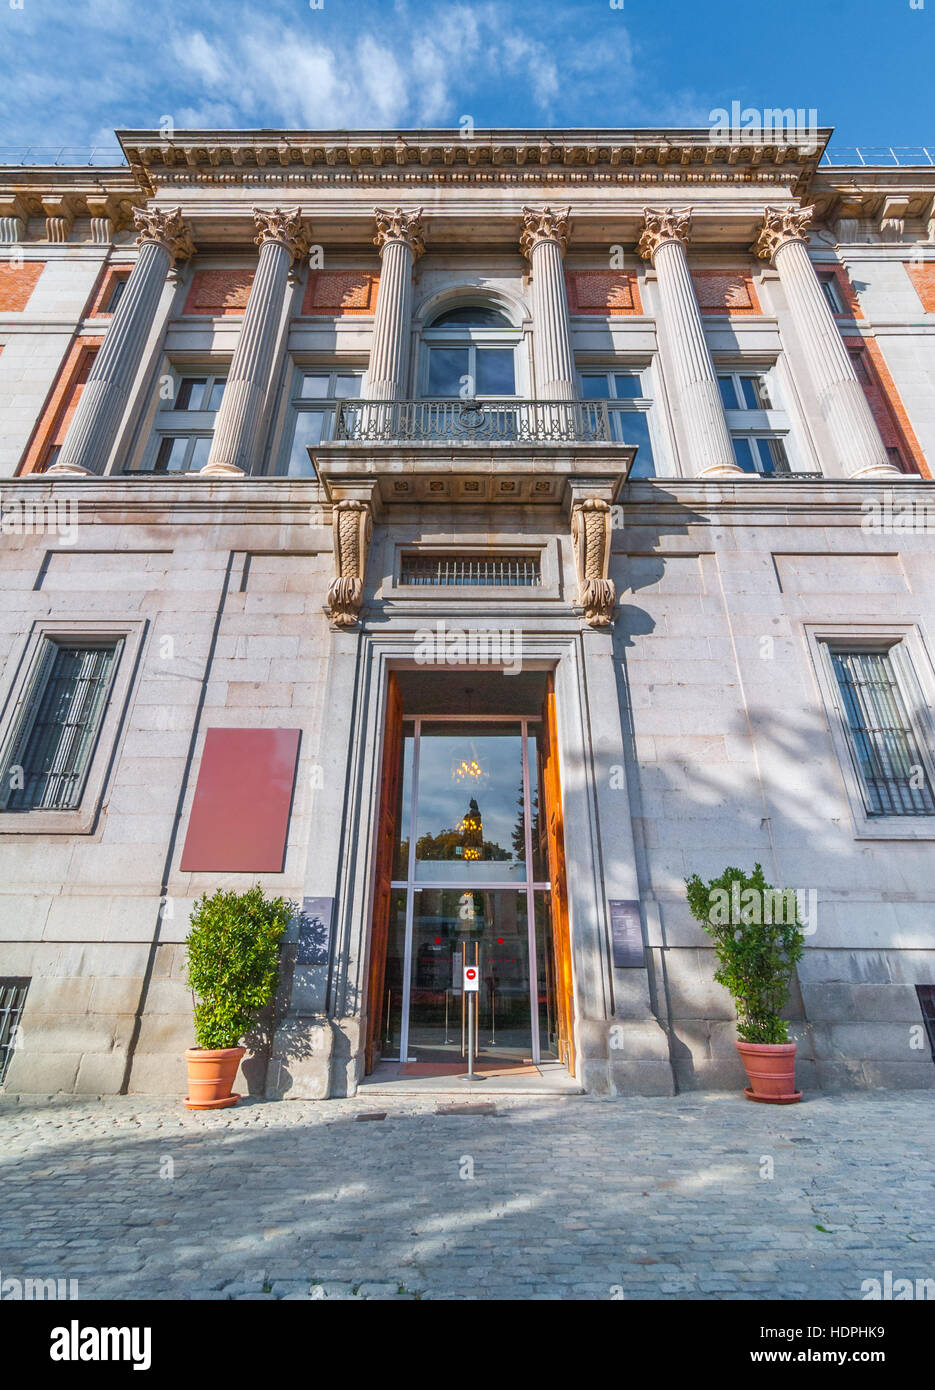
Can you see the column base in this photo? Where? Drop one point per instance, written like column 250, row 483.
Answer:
column 221, row 470
column 68, row 470
column 725, row 470
column 882, row 473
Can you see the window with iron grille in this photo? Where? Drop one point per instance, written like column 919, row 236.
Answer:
column 12, row 999
column 926, row 995
column 49, row 751
column 523, row 571
column 877, row 690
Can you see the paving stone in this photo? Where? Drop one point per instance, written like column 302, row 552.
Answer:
column 657, row 1198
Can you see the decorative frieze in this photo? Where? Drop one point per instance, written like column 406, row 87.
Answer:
column 352, row 528
column 591, row 530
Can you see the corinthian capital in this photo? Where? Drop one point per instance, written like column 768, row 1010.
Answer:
column 779, row 226
column 284, row 226
column 544, row 224
column 662, row 225
column 393, row 224
column 165, row 227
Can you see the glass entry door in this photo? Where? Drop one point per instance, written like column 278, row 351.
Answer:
column 470, row 866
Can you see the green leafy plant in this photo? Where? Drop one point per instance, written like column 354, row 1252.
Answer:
column 233, row 961
column 758, row 940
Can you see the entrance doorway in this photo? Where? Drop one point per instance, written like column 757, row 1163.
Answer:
column 471, row 862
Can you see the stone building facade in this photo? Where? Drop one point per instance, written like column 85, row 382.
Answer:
column 357, row 487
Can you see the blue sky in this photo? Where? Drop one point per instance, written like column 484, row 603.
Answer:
column 72, row 71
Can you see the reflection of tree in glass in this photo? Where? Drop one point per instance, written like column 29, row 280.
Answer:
column 465, row 841
column 519, row 829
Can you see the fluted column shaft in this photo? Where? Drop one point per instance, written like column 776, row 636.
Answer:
column 387, row 374
column 282, row 239
column 859, row 450
column 705, row 436
column 554, row 359
column 544, row 237
column 100, row 409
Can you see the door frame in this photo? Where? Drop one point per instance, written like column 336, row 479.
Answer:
column 410, row 886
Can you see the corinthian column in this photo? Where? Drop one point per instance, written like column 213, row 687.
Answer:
column 543, row 241
column 282, row 239
column 709, row 452
column 859, row 451
column 163, row 239
column 400, row 239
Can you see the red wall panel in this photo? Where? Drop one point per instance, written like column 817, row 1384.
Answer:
column 240, row 813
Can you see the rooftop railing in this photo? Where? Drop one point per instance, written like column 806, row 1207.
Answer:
column 449, row 421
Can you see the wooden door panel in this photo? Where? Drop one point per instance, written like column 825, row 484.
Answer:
column 552, row 792
column 386, row 839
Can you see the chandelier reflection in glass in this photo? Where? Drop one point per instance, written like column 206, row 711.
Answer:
column 469, row 770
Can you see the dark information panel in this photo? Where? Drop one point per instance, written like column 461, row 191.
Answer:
column 626, row 933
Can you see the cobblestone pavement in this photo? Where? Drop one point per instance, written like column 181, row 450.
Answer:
column 697, row 1197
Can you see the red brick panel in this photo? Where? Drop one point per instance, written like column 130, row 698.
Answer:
column 886, row 405
column 218, row 292
column 240, row 814
column 103, row 289
column 61, row 405
column 725, row 292
column 340, row 292
column 923, row 277
column 17, row 283
column 605, row 292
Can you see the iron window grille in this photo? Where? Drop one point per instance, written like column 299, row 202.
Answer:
column 53, row 739
column 882, row 738
column 12, row 1002
column 517, row 571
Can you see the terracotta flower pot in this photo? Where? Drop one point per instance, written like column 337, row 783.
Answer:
column 771, row 1071
column 211, row 1075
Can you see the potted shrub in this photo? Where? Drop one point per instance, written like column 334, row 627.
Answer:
column 758, row 940
column 233, row 968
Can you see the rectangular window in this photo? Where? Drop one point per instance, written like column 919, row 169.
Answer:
column 877, row 688
column 184, row 424
column 313, row 398
column 116, row 294
column 518, row 571
column 629, row 408
column 926, row 995
column 830, row 290
column 12, row 1001
column 758, row 428
column 49, row 751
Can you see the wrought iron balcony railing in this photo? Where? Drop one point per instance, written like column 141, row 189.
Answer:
column 449, row 421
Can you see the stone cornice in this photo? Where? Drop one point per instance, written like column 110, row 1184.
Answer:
column 443, row 156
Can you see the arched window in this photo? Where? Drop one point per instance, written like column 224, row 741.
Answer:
column 470, row 350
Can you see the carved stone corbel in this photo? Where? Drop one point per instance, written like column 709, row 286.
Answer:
column 352, row 527
column 591, row 527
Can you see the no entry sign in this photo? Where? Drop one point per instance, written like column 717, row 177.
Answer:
column 470, row 979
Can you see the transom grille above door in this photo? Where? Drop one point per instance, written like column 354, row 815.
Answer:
column 516, row 571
